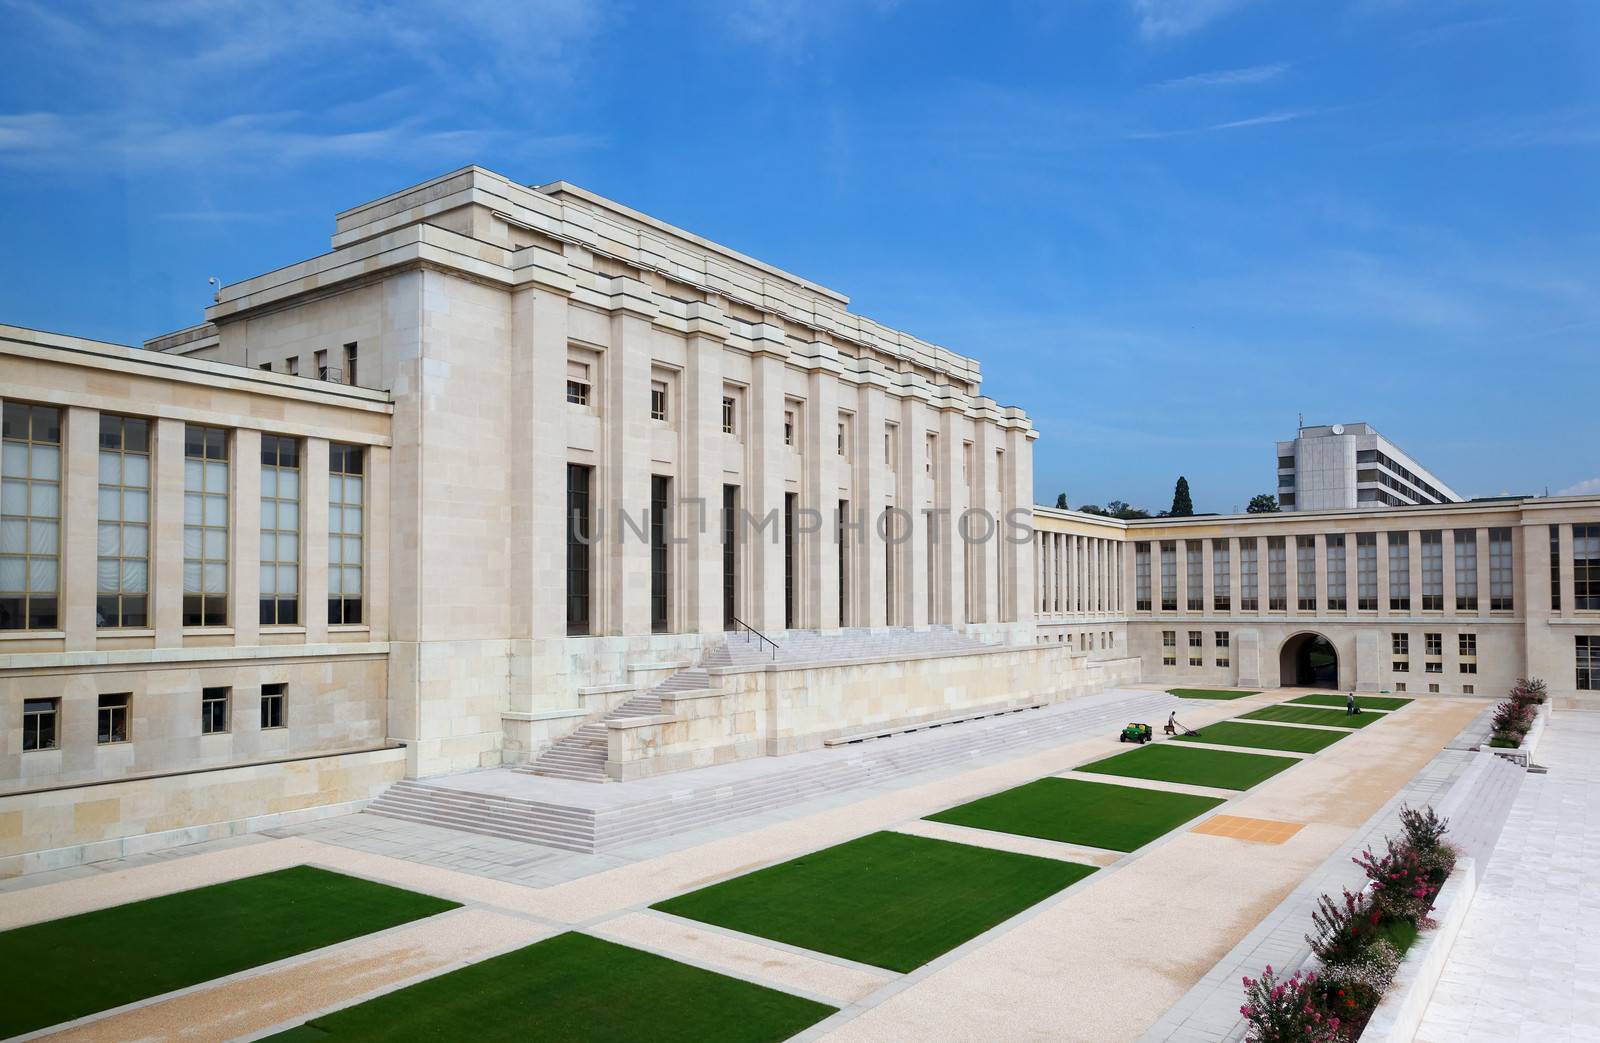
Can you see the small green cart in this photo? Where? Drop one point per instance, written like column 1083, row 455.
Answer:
column 1139, row 733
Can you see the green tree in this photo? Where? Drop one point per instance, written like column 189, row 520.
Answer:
column 1263, row 503
column 1061, row 501
column 1182, row 506
column 1092, row 508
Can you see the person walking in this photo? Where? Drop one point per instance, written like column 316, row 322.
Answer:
column 1350, row 707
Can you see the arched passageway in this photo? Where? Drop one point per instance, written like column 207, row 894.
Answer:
column 1308, row 661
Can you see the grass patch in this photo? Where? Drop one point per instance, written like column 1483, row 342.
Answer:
column 573, row 987
column 1311, row 715
column 1265, row 737
column 1366, row 702
column 1402, row 934
column 1208, row 693
column 79, row 965
column 1171, row 762
column 887, row 899
column 1073, row 811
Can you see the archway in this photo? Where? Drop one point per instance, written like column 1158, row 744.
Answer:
column 1308, row 661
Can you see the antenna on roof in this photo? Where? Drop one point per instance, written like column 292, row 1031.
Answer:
column 216, row 289
column 1302, row 417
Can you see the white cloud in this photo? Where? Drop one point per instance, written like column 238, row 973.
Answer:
column 1169, row 19
column 1229, row 77
column 1239, row 124
column 1587, row 487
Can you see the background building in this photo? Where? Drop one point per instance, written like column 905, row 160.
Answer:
column 1336, row 466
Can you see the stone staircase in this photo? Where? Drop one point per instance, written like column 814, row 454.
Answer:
column 811, row 646
column 581, row 756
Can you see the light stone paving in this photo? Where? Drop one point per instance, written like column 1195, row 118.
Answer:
column 1526, row 965
column 1013, row 842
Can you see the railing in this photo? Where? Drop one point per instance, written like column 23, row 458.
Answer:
column 749, row 630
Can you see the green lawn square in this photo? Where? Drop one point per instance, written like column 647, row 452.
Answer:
column 1311, row 715
column 1265, row 737
column 1366, row 702
column 1176, row 762
column 887, row 899
column 1209, row 693
column 1074, row 811
column 568, row 988
column 79, row 965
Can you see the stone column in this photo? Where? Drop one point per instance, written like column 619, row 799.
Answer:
column 78, row 531
column 872, row 493
column 623, row 584
column 314, row 539
column 1483, row 572
column 701, row 445
column 913, row 489
column 244, row 556
column 951, row 498
column 820, row 492
column 1447, row 540
column 166, row 533
column 765, row 451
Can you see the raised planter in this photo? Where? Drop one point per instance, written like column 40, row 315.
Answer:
column 1523, row 754
column 1400, row 1012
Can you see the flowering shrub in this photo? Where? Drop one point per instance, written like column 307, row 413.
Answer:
column 1401, row 885
column 1343, row 929
column 1513, row 719
column 1352, row 989
column 1530, row 690
column 1424, row 829
column 1287, row 1010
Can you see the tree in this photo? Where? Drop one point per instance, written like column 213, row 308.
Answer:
column 1092, row 508
column 1182, row 506
column 1124, row 510
column 1061, row 501
column 1263, row 503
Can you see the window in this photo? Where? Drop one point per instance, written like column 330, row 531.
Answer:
column 1367, row 571
column 1221, row 586
column 930, row 453
column 122, row 580
column 39, row 724
column 1338, row 588
column 729, row 409
column 1500, row 579
column 1432, row 570
column 891, row 434
column 842, row 537
column 1467, row 644
column 1169, row 576
column 322, row 365
column 265, row 367
column 205, row 526
column 1433, row 688
column 658, row 400
column 1433, row 666
column 30, row 517
column 1249, row 582
column 1286, row 463
column 1223, row 653
column 1305, row 572
column 1469, row 666
column 842, row 436
column 791, row 427
column 347, row 465
column 273, row 698
column 1141, row 577
column 1586, row 567
column 1277, row 574
column 1399, row 572
column 966, row 462
column 1169, row 648
column 1197, row 655
column 660, row 599
column 214, row 710
column 1433, row 644
column 280, row 531
column 1588, row 649
column 292, row 366
column 1467, row 689
column 1399, row 686
column 1555, row 568
column 1194, row 567
column 349, row 363
column 112, row 725
column 578, row 385
column 1466, row 570
column 1401, row 643
column 578, row 549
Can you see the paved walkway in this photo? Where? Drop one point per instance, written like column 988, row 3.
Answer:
column 1526, row 966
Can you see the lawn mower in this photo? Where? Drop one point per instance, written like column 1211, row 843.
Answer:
column 1138, row 733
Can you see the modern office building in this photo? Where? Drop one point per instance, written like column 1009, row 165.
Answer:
column 1334, row 466
column 519, row 478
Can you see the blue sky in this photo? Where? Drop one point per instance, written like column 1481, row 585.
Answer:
column 1166, row 227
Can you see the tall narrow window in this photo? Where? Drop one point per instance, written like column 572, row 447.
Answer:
column 1466, row 570
column 578, row 521
column 658, row 400
column 578, row 383
column 660, row 573
column 791, row 428
column 889, row 552
column 1194, row 575
column 1501, row 584
column 729, row 414
column 1586, row 567
column 280, row 531
column 205, row 526
column 1399, row 572
column 30, row 517
column 1277, row 574
column 1141, row 576
column 730, row 554
column 347, row 468
column 842, row 533
column 40, row 720
column 790, row 501
column 112, row 723
column 1555, row 568
column 214, row 710
column 1169, row 576
column 1367, row 571
column 1338, row 581
column 122, row 581
column 1221, row 584
column 1588, row 649
column 350, row 364
column 1305, row 572
column 1169, row 648
column 273, row 700
column 1249, row 578
column 1432, row 570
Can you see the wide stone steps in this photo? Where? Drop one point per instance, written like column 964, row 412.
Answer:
column 581, row 756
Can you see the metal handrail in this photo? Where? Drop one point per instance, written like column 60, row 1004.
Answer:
column 752, row 630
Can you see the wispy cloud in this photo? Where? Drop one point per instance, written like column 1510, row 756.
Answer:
column 1587, row 487
column 1238, row 124
column 788, row 28
column 1229, row 77
column 1169, row 19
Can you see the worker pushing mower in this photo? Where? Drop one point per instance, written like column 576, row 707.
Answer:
column 1173, row 727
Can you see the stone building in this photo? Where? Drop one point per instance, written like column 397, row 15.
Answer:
column 1333, row 466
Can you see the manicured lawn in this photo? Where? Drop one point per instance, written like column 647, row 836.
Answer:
column 1366, row 702
column 573, row 987
column 1265, row 737
column 887, row 899
column 1208, row 693
column 78, row 965
column 1073, row 811
column 1310, row 715
column 1174, row 762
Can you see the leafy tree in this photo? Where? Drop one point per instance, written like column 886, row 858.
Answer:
column 1092, row 508
column 1263, row 503
column 1182, row 506
column 1124, row 510
column 1061, row 501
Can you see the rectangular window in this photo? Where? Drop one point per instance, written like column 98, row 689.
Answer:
column 1223, row 653
column 1586, row 568
column 1500, row 577
column 122, row 580
column 1588, row 648
column 578, row 528
column 1249, row 580
column 1466, row 570
column 1169, row 576
column 347, row 468
column 1399, row 572
column 1432, row 570
column 292, row 365
column 1433, row 666
column 1197, row 655
column 321, row 359
column 1555, row 568
column 274, row 698
column 1338, row 580
column 842, row 536
column 1367, row 571
column 1141, row 577
column 205, row 526
column 1399, row 686
column 889, row 555
column 30, row 517
column 1169, row 648
column 844, row 433
column 1305, row 572
column 280, row 531
column 1277, row 574
column 40, row 724
column 112, row 725
column 214, row 710
column 349, row 363
column 658, row 400
column 578, row 384
column 791, row 428
column 730, row 555
column 1467, row 644
column 1221, row 585
column 1433, row 644
column 729, row 409
column 790, row 507
column 1434, row 689
column 1469, row 666
column 1401, row 643
column 1194, row 569
column 930, row 453
column 660, row 571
